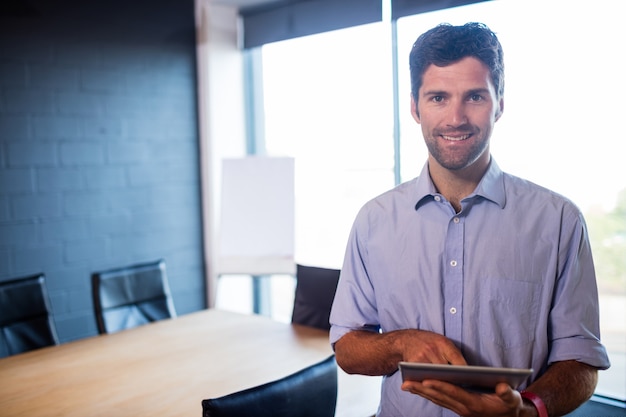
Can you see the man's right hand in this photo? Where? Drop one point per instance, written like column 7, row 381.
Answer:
column 369, row 353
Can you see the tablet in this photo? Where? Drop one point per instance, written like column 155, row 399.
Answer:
column 474, row 378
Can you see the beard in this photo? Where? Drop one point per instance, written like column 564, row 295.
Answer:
column 455, row 160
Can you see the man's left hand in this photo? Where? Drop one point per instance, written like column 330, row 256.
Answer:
column 504, row 402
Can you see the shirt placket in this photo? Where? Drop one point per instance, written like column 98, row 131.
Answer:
column 453, row 279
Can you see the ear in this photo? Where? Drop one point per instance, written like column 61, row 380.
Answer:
column 500, row 109
column 414, row 111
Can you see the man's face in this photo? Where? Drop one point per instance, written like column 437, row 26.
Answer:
column 457, row 109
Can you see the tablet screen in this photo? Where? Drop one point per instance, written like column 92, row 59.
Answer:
column 475, row 378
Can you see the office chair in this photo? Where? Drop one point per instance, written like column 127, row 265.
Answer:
column 131, row 296
column 315, row 291
column 25, row 316
column 311, row 392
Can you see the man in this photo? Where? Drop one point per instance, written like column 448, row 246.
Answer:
column 466, row 264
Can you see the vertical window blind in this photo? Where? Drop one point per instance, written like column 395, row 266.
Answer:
column 291, row 19
column 401, row 8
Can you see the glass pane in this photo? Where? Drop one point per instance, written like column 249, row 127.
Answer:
column 328, row 103
column 234, row 293
column 564, row 93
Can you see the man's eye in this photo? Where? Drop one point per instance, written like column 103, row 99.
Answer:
column 476, row 97
column 437, row 99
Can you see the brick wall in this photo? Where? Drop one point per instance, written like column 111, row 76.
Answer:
column 99, row 161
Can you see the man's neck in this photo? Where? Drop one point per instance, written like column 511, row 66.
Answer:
column 456, row 185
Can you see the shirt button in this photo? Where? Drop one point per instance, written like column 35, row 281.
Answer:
column 453, row 310
column 453, row 263
column 437, row 198
column 456, row 220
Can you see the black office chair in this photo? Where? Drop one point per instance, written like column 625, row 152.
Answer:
column 315, row 291
column 131, row 296
column 311, row 392
column 25, row 316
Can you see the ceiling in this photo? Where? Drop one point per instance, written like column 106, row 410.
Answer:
column 242, row 4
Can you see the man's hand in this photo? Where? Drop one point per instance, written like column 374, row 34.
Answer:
column 368, row 353
column 428, row 347
column 504, row 402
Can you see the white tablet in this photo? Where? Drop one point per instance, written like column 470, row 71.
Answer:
column 474, row 378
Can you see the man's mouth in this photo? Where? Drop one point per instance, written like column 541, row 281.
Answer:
column 456, row 138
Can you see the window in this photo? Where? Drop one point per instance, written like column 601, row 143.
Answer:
column 329, row 104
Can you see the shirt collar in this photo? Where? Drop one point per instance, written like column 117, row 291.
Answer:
column 490, row 187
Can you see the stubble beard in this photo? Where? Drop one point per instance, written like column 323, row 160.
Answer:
column 457, row 161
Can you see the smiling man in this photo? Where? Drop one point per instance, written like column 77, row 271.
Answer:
column 465, row 264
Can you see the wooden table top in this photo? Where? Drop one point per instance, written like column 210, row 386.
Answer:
column 167, row 368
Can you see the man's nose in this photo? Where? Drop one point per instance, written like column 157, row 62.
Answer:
column 457, row 113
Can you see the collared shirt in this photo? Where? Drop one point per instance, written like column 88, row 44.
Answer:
column 509, row 279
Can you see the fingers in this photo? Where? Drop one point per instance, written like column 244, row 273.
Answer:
column 504, row 401
column 508, row 395
column 428, row 347
column 441, row 393
column 454, row 357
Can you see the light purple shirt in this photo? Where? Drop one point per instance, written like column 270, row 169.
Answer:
column 509, row 279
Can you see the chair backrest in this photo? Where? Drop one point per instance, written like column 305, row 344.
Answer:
column 315, row 291
column 311, row 392
column 131, row 296
column 25, row 316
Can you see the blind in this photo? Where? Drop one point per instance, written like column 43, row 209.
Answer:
column 401, row 8
column 291, row 19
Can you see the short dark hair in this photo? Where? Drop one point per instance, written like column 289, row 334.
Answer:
column 446, row 44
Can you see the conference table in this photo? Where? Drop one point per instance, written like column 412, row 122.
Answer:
column 168, row 367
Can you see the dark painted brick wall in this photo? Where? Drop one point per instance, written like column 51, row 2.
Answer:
column 99, row 161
